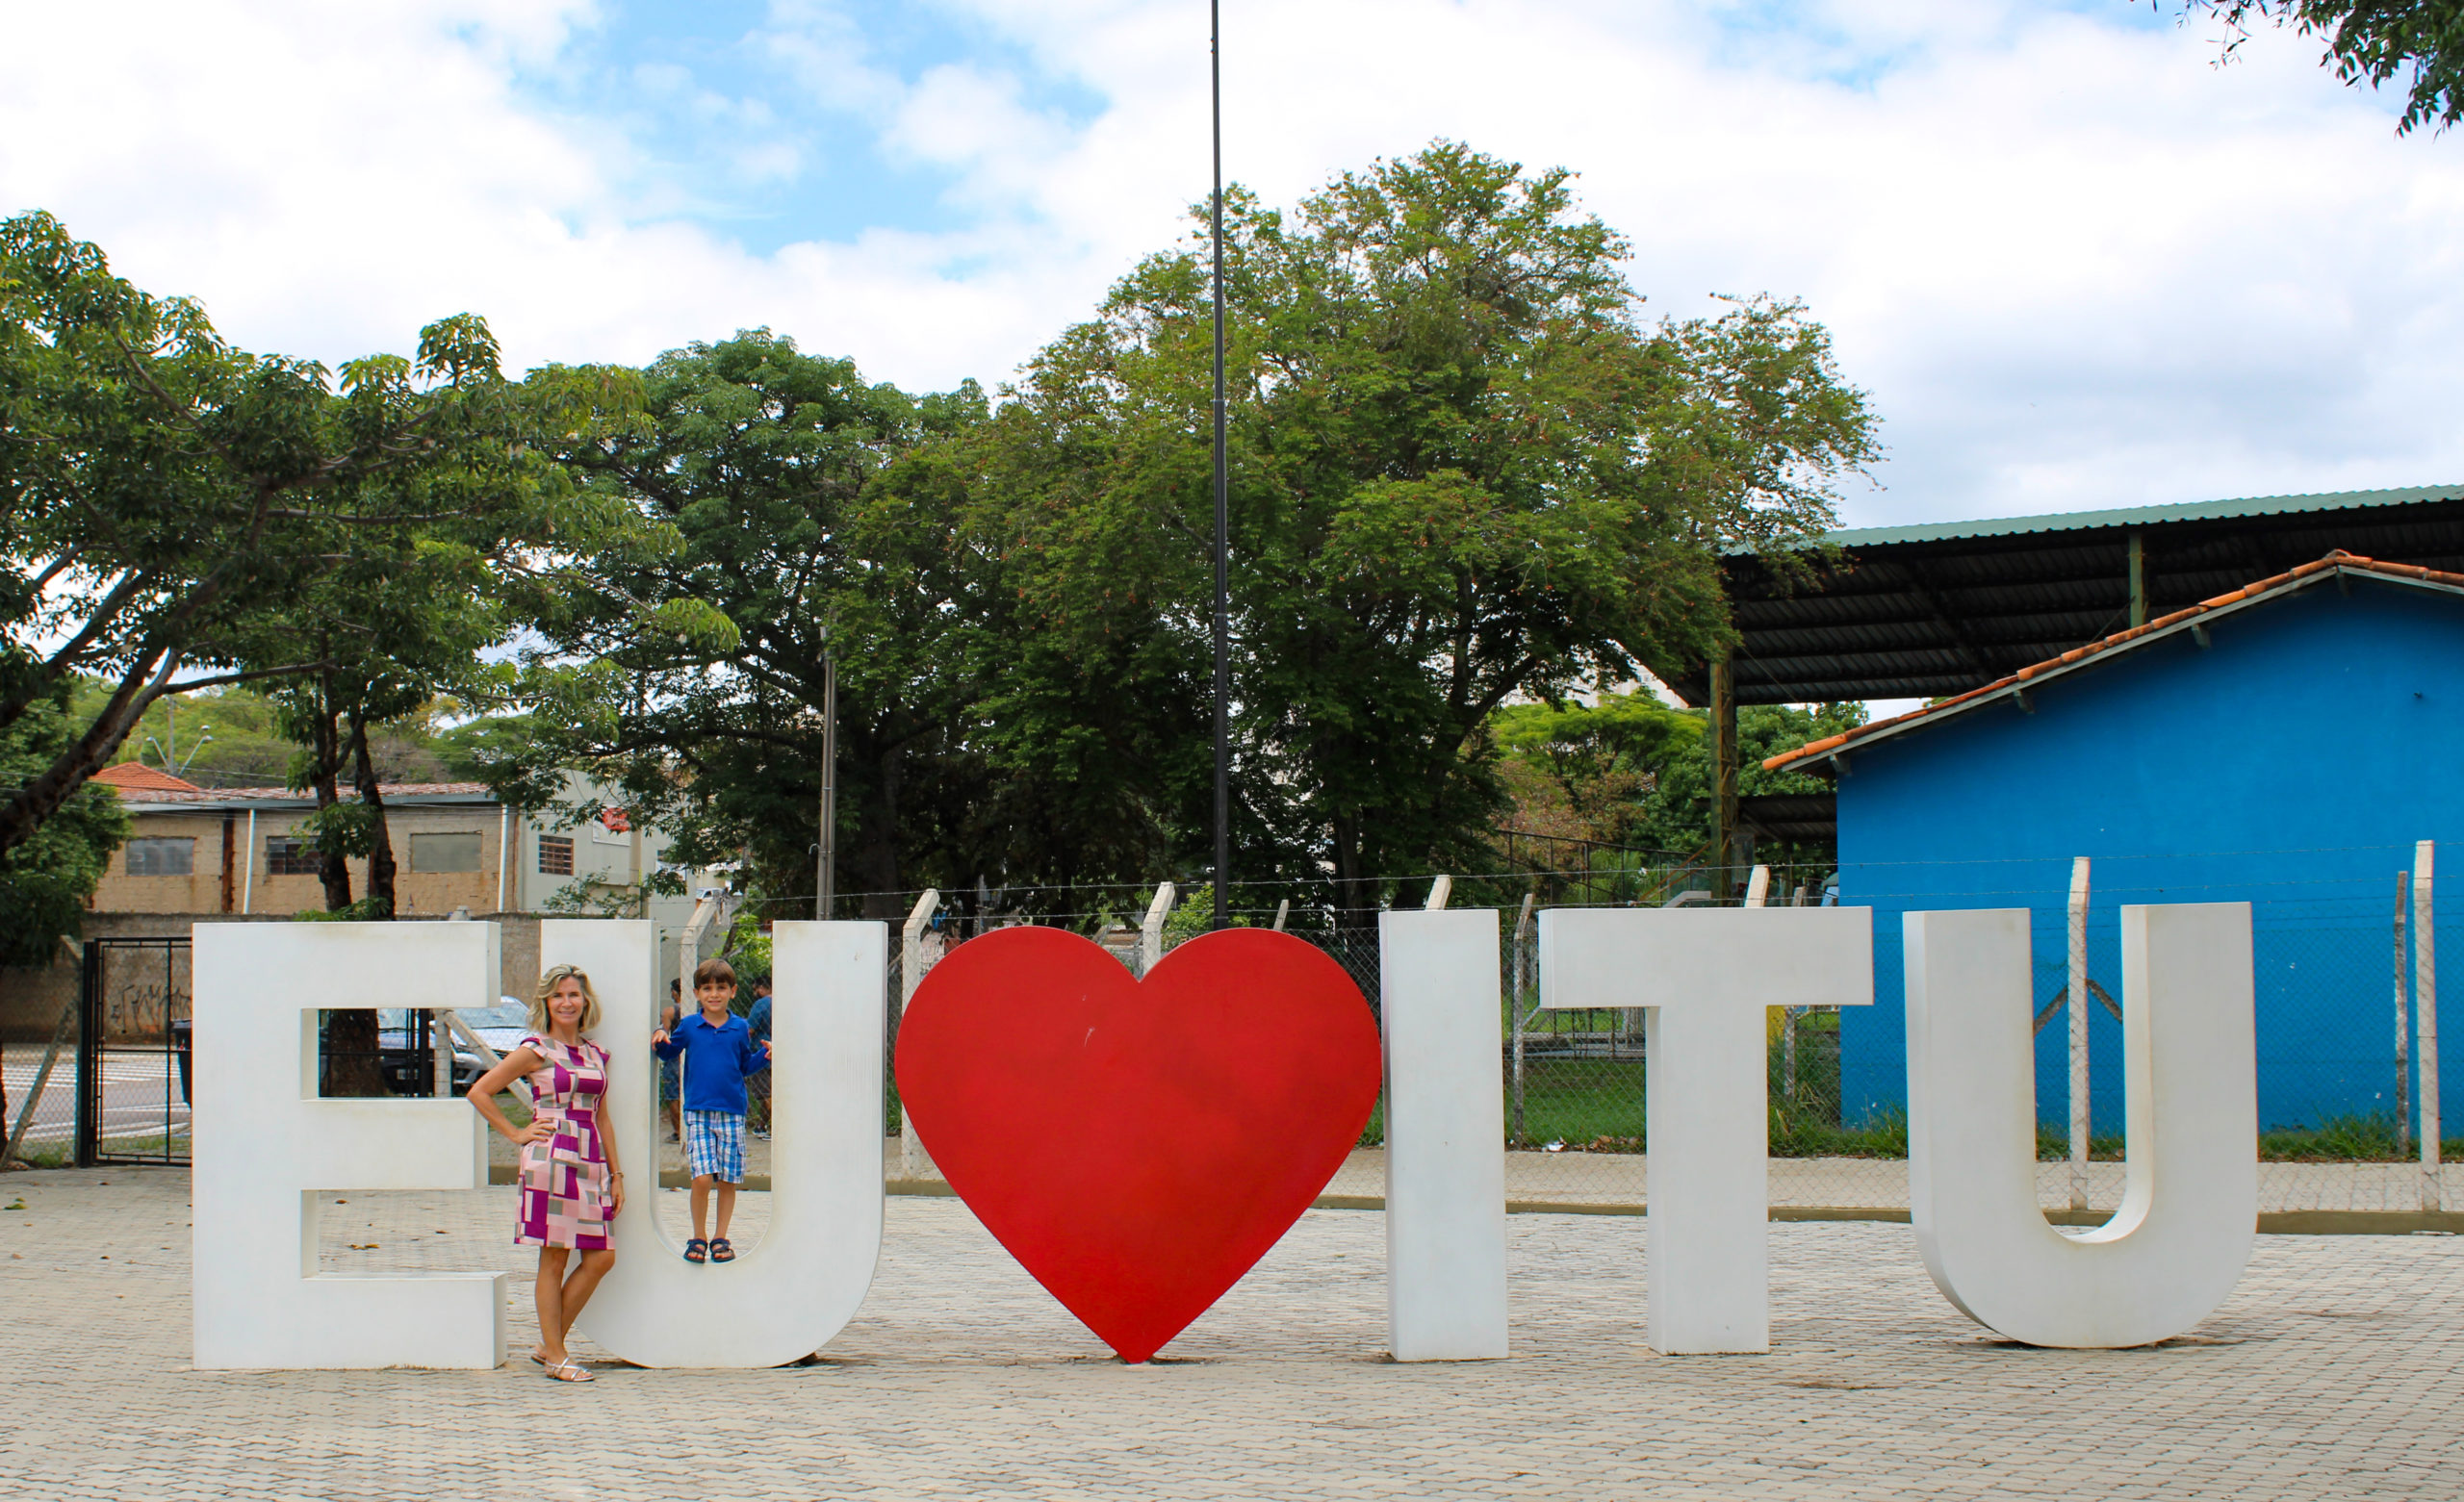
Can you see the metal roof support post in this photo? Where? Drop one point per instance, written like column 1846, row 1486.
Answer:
column 2138, row 577
column 2403, row 1028
column 2079, row 1115
column 1724, row 830
column 2426, row 1021
column 913, row 1163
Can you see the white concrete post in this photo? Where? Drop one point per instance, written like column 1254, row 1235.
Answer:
column 1444, row 1135
column 1439, row 891
column 789, row 1294
column 1706, row 976
column 1757, row 886
column 1282, row 911
column 266, row 1143
column 913, row 1162
column 2403, row 1019
column 2188, row 1210
column 248, row 867
column 2080, row 1121
column 1150, row 933
column 2425, row 1019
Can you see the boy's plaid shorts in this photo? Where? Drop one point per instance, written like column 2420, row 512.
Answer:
column 714, row 1145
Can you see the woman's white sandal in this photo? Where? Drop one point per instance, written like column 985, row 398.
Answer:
column 567, row 1370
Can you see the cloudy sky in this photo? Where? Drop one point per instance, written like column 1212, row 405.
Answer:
column 2076, row 263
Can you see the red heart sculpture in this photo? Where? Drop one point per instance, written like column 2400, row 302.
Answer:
column 1138, row 1145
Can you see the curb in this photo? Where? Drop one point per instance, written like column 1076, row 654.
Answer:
column 2276, row 1223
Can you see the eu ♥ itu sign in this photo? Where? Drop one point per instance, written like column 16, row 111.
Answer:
column 1140, row 1145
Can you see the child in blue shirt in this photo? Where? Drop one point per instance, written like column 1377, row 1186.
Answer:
column 719, row 1054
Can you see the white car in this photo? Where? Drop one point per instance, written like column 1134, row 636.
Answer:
column 501, row 1026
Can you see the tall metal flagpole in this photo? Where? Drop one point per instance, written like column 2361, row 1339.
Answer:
column 1222, row 515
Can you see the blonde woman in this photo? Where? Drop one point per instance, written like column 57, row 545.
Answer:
column 571, row 1185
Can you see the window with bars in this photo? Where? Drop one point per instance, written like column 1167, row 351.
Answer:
column 289, row 855
column 445, row 853
column 161, row 857
column 555, row 856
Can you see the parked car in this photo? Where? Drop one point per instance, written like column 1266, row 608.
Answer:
column 406, row 1061
column 502, row 1026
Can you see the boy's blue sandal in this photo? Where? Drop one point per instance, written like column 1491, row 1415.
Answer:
column 721, row 1251
column 697, row 1250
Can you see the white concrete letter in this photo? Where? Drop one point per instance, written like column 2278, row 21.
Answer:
column 792, row 1292
column 2191, row 1196
column 1707, row 974
column 265, row 1145
column 1444, row 1135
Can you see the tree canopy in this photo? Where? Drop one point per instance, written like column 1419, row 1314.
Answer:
column 2371, row 42
column 175, row 512
column 1463, row 470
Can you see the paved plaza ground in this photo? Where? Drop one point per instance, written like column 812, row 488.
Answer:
column 2331, row 1374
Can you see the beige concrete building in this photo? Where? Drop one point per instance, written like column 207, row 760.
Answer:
column 248, row 851
column 242, row 855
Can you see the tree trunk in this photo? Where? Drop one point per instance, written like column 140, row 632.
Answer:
column 877, row 837
column 350, row 1057
column 51, row 789
column 1356, row 890
column 380, row 839
column 324, row 770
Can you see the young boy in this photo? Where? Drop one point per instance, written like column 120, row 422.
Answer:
column 718, row 1055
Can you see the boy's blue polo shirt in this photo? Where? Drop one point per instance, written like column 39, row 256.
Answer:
column 716, row 1060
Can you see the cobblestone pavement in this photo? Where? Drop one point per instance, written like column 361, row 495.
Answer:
column 2328, row 1375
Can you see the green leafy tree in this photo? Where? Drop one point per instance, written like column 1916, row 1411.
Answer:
column 162, row 493
column 694, row 679
column 1585, row 771
column 2370, row 42
column 1680, row 811
column 46, row 878
column 1463, row 470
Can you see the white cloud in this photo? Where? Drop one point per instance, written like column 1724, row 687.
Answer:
column 2077, row 264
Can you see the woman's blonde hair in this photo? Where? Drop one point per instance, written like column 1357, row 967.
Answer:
column 549, row 979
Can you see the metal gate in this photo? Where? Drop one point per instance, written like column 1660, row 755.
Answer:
column 133, row 1051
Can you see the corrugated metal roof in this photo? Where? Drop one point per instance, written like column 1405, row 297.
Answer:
column 2193, row 617
column 2146, row 515
column 1932, row 611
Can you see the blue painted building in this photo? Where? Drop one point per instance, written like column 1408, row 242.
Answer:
column 2284, row 746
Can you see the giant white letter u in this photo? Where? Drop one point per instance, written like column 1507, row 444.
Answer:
column 2190, row 1201
column 794, row 1290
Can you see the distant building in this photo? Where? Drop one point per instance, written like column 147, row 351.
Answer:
column 2283, row 744
column 238, row 854
column 247, row 851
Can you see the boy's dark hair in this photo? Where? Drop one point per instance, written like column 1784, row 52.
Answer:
column 711, row 970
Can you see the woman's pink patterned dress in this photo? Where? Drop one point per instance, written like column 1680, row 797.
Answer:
column 566, row 1187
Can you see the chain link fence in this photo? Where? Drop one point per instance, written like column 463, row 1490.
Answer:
column 2337, row 1090
column 2337, row 1038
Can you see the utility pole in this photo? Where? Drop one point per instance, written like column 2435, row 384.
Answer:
column 1222, row 513
column 829, row 845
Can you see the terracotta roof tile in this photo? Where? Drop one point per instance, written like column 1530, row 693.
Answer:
column 2339, row 561
column 129, row 775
